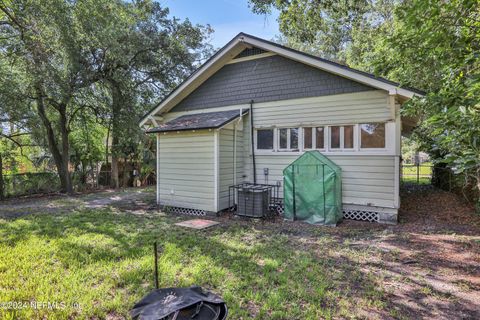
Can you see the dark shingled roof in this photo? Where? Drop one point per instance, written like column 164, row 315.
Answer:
column 197, row 121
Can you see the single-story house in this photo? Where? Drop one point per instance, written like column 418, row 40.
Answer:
column 256, row 106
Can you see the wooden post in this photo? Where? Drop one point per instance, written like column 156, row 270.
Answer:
column 418, row 172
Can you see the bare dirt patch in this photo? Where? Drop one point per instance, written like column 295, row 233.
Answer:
column 127, row 199
column 427, row 266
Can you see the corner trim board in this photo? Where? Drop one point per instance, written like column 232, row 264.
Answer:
column 216, row 175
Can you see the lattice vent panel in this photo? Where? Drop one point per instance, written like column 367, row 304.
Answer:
column 187, row 211
column 361, row 215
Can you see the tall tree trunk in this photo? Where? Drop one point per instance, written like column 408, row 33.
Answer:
column 116, row 110
column 477, row 177
column 65, row 150
column 114, row 173
column 58, row 158
column 125, row 177
column 2, row 189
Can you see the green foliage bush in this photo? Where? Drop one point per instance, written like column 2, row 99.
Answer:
column 31, row 183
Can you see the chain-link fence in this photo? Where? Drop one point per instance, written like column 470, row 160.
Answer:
column 30, row 183
column 416, row 173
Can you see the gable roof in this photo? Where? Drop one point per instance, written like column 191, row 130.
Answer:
column 242, row 41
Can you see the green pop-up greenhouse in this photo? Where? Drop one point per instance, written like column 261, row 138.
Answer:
column 313, row 190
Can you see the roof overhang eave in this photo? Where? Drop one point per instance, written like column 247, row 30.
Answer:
column 241, row 41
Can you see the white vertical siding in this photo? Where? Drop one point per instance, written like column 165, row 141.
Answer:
column 187, row 169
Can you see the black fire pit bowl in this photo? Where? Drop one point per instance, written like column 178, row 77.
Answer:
column 179, row 304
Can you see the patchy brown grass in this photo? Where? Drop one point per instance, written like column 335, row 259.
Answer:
column 426, row 267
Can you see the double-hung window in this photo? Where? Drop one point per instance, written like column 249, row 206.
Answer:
column 288, row 139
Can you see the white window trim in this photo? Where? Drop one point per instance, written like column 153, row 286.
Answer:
column 303, row 138
column 387, row 134
column 314, row 138
column 255, row 140
column 289, row 147
column 342, row 138
column 390, row 128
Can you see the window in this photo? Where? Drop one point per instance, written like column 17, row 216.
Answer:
column 342, row 137
column 265, row 139
column 372, row 135
column 354, row 137
column 348, row 137
column 313, row 138
column 307, row 138
column 320, row 138
column 283, row 136
column 288, row 139
column 294, row 138
column 335, row 137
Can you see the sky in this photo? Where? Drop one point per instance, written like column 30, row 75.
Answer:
column 226, row 17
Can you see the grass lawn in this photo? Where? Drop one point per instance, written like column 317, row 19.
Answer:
column 102, row 261
column 409, row 173
column 98, row 263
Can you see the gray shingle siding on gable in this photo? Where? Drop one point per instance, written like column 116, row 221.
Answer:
column 266, row 79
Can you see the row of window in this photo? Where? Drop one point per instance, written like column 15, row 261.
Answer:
column 372, row 136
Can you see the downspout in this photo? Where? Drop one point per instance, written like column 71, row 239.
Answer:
column 157, row 156
column 252, row 143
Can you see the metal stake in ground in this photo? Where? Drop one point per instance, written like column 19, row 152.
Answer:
column 156, row 263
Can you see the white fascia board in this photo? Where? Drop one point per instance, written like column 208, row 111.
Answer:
column 332, row 68
column 244, row 41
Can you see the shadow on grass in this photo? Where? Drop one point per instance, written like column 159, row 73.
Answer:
column 262, row 271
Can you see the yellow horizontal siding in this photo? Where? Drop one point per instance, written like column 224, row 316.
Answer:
column 370, row 182
column 226, row 165
column 187, row 168
column 343, row 108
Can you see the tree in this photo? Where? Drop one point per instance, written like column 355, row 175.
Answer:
column 448, row 38
column 68, row 52
column 331, row 27
column 428, row 44
column 140, row 59
column 41, row 39
column 16, row 119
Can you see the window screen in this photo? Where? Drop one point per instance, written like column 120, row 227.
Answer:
column 265, row 139
column 320, row 138
column 335, row 137
column 294, row 138
column 348, row 137
column 307, row 138
column 372, row 135
column 283, row 138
